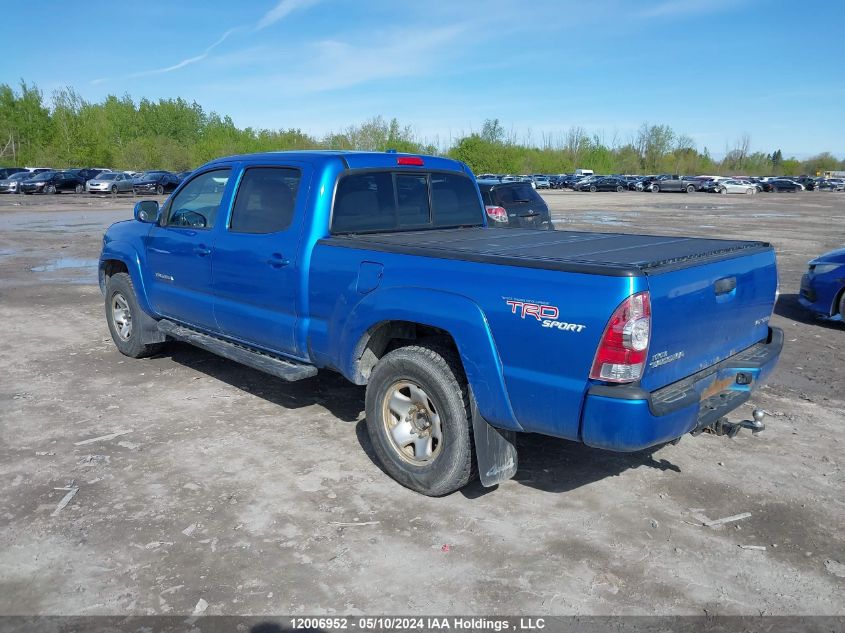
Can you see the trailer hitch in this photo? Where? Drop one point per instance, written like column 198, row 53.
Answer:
column 723, row 426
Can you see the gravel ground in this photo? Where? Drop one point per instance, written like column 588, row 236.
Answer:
column 260, row 497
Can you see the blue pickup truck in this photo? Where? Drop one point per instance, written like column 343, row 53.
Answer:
column 381, row 266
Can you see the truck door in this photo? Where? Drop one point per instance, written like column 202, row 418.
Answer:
column 257, row 277
column 180, row 251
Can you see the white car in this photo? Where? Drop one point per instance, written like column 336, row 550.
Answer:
column 737, row 186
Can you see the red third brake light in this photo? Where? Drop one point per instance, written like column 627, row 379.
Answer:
column 497, row 214
column 623, row 350
column 410, row 160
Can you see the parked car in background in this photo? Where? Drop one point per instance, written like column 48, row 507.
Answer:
column 830, row 184
column 737, row 186
column 713, row 185
column 542, row 182
column 109, row 182
column 780, row 184
column 606, row 183
column 514, row 205
column 5, row 172
column 38, row 170
column 159, row 182
column 805, row 181
column 823, row 285
column 53, row 182
column 674, row 183
column 12, row 184
column 89, row 172
column 183, row 174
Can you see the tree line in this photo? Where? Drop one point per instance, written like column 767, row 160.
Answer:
column 118, row 132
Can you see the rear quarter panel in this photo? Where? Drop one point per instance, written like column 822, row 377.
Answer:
column 525, row 374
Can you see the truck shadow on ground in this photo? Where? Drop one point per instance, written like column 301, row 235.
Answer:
column 328, row 389
column 788, row 307
column 545, row 463
column 551, row 464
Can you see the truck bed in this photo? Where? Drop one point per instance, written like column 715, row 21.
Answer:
column 610, row 254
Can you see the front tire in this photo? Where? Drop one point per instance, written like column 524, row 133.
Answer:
column 122, row 316
column 593, row 189
column 690, row 189
column 418, row 419
column 618, row 189
column 50, row 189
column 79, row 189
column 655, row 188
column 159, row 189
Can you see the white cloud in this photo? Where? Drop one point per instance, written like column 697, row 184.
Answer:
column 281, row 11
column 189, row 60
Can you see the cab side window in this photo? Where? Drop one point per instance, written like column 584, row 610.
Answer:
column 266, row 200
column 197, row 204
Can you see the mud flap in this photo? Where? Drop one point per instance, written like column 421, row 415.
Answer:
column 495, row 449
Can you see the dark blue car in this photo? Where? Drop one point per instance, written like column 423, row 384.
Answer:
column 823, row 286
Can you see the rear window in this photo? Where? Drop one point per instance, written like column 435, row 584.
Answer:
column 516, row 194
column 375, row 201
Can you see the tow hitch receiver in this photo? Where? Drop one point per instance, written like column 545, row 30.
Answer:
column 723, row 426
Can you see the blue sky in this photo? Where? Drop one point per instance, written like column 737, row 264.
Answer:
column 712, row 69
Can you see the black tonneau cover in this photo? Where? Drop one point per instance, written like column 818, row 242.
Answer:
column 612, row 254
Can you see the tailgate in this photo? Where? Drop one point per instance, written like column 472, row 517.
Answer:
column 703, row 314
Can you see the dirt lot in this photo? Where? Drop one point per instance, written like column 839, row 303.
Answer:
column 263, row 498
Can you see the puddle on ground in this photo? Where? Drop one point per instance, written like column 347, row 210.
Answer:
column 64, row 263
column 772, row 215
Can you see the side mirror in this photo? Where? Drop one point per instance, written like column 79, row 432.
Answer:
column 147, row 211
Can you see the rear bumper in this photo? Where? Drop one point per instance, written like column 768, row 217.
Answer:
column 627, row 418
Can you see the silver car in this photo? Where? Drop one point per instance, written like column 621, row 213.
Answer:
column 109, row 182
column 12, row 184
column 737, row 186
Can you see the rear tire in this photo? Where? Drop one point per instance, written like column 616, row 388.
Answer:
column 114, row 190
column 51, row 189
column 593, row 189
column 690, row 189
column 655, row 188
column 159, row 189
column 123, row 316
column 79, row 189
column 412, row 387
column 618, row 188
column 749, row 191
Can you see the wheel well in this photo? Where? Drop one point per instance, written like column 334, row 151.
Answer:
column 838, row 302
column 113, row 266
column 390, row 335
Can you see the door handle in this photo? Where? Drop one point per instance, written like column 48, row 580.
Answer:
column 278, row 261
column 202, row 250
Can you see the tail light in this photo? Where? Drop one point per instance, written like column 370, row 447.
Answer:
column 497, row 214
column 623, row 350
column 410, row 160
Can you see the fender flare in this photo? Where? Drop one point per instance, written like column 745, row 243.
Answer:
column 462, row 318
column 126, row 253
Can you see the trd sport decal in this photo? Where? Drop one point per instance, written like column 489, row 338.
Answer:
column 544, row 313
